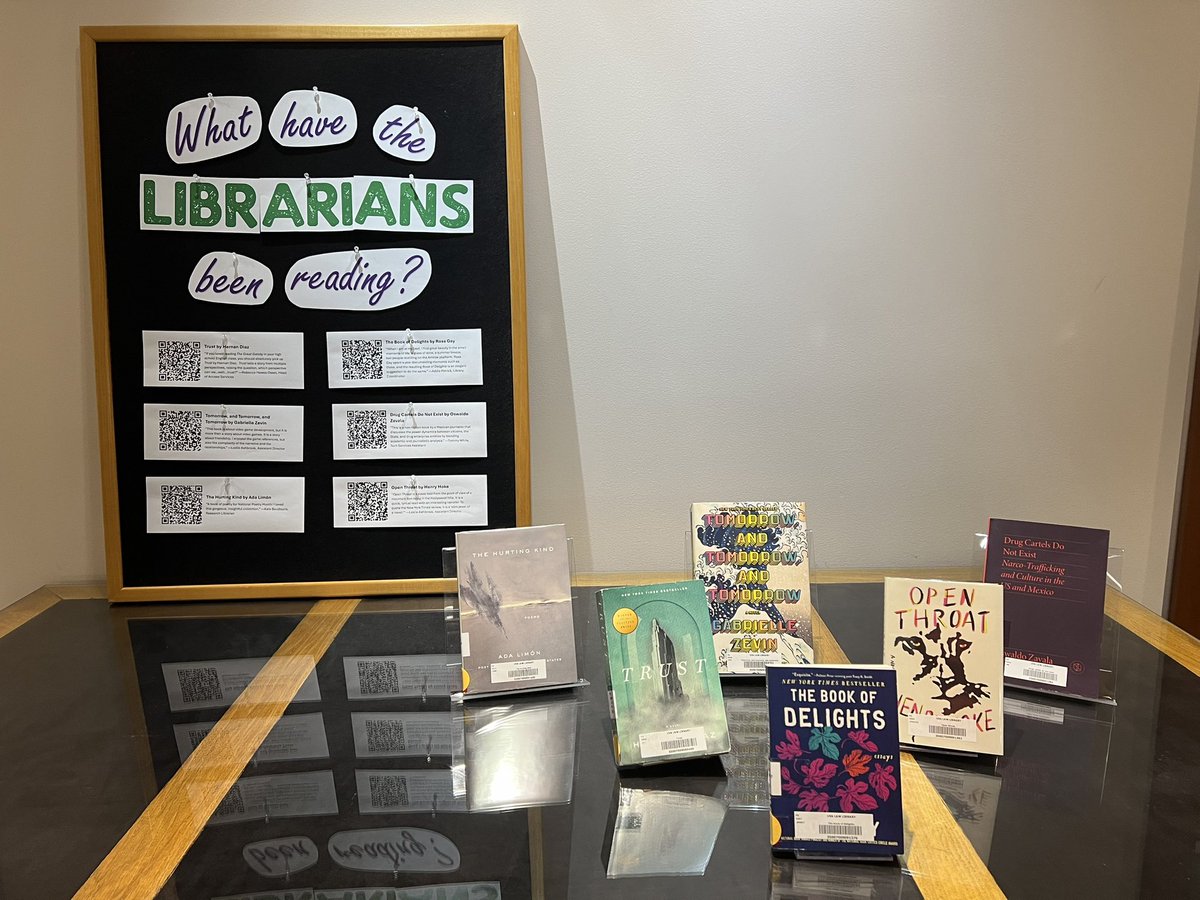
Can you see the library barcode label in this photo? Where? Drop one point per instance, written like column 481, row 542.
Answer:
column 666, row 743
column 946, row 728
column 755, row 663
column 1042, row 673
column 830, row 826
column 521, row 670
column 1027, row 710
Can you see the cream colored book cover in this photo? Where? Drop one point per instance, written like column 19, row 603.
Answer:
column 753, row 560
column 946, row 642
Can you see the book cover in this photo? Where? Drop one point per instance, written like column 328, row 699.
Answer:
column 944, row 640
column 514, row 587
column 664, row 689
column 1054, row 578
column 835, row 760
column 753, row 560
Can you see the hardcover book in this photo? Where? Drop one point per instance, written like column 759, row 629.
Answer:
column 753, row 560
column 664, row 690
column 514, row 588
column 834, row 761
column 944, row 640
column 1054, row 578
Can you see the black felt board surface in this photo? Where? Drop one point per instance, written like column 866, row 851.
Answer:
column 460, row 85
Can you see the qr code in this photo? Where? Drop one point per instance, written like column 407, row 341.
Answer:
column 629, row 822
column 385, row 736
column 362, row 360
column 179, row 429
column 196, row 735
column 178, row 360
column 389, row 791
column 182, row 504
column 377, row 677
column 366, row 429
column 197, row 685
column 233, row 804
column 367, row 501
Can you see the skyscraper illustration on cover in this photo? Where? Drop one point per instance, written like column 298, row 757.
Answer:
column 514, row 586
column 753, row 560
column 666, row 693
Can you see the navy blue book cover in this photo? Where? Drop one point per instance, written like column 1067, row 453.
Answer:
column 835, row 760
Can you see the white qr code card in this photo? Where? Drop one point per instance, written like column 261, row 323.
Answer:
column 210, row 683
column 410, row 501
column 211, row 431
column 386, row 677
column 404, row 358
column 224, row 504
column 254, row 359
column 409, row 430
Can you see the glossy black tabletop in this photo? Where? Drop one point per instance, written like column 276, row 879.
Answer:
column 376, row 785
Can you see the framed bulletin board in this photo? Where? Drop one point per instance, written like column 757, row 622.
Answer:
column 308, row 290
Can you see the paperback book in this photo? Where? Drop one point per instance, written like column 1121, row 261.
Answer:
column 753, row 560
column 944, row 640
column 514, row 588
column 1054, row 578
column 834, row 761
column 664, row 690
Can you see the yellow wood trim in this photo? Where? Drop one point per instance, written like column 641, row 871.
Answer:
column 939, row 857
column 99, row 286
column 283, row 590
column 79, row 590
column 150, row 851
column 817, row 576
column 1152, row 628
column 28, row 607
column 516, row 276
column 102, row 33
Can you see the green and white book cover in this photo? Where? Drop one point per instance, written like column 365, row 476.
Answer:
column 664, row 688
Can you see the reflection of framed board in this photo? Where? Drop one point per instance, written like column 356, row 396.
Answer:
column 307, row 270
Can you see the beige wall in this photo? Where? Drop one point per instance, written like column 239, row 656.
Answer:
column 916, row 263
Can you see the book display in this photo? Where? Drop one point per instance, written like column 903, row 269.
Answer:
column 1054, row 580
column 943, row 638
column 664, row 691
column 834, row 761
column 515, row 609
column 753, row 559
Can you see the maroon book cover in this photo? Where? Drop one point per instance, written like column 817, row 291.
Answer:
column 1054, row 578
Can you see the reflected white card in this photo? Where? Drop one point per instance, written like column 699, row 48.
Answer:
column 409, row 430
column 387, row 677
column 406, row 790
column 195, row 505
column 283, row 796
column 401, row 733
column 410, row 501
column 221, row 432
column 255, row 359
column 404, row 358
column 205, row 684
column 292, row 738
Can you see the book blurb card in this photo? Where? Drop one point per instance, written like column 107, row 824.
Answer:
column 222, row 359
column 409, row 430
column 753, row 560
column 221, row 432
column 404, row 358
column 834, row 760
column 944, row 640
column 1054, row 578
column 232, row 504
column 410, row 501
column 664, row 688
column 514, row 588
